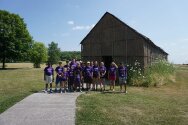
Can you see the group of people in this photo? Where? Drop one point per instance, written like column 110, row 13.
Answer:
column 74, row 74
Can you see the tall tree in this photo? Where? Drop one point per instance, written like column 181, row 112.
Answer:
column 15, row 40
column 38, row 54
column 69, row 55
column 54, row 53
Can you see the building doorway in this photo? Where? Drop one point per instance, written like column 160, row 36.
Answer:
column 107, row 61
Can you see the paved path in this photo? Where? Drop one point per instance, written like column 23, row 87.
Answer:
column 42, row 109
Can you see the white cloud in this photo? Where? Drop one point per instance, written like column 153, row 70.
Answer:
column 70, row 22
column 87, row 27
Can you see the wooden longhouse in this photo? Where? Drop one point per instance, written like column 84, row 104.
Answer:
column 113, row 40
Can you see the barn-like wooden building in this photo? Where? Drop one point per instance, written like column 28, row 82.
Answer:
column 111, row 39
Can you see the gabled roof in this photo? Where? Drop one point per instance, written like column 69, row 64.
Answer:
column 141, row 35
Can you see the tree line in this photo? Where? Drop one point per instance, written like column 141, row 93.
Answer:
column 52, row 54
column 16, row 44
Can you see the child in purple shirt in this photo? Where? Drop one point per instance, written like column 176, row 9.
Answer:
column 48, row 76
column 96, row 75
column 71, row 78
column 112, row 75
column 88, row 74
column 102, row 70
column 82, row 80
column 64, row 79
column 78, row 77
column 122, row 71
column 59, row 70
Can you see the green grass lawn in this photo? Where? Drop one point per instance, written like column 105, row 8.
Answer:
column 15, row 84
column 18, row 81
column 164, row 105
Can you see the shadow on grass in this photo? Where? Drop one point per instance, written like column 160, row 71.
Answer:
column 105, row 92
column 14, row 68
column 113, row 92
column 35, row 91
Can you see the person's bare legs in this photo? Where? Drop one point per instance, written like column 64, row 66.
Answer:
column 102, row 86
column 94, row 81
column 125, row 87
column 113, row 83
column 61, row 86
column 46, row 87
column 50, row 87
column 120, row 87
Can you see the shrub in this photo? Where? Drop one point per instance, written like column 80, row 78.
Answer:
column 158, row 73
column 135, row 74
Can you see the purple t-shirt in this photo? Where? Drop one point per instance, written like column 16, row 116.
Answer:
column 122, row 71
column 64, row 75
column 95, row 71
column 102, row 70
column 71, row 73
column 59, row 70
column 112, row 71
column 88, row 71
column 49, row 71
column 74, row 64
column 83, row 67
column 77, row 72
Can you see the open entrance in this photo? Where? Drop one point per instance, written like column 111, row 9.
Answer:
column 107, row 61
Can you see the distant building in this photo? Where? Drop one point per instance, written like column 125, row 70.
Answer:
column 112, row 39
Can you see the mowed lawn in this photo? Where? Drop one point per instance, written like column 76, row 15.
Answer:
column 164, row 105
column 17, row 82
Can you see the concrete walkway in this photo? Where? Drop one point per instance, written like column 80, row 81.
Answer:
column 42, row 109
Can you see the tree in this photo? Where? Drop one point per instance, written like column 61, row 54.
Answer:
column 38, row 54
column 69, row 55
column 54, row 53
column 15, row 40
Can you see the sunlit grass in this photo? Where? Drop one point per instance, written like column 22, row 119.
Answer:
column 164, row 105
column 15, row 84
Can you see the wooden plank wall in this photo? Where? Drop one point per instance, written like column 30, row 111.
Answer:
column 112, row 38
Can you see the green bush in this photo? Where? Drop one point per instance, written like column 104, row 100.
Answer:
column 158, row 73
column 135, row 74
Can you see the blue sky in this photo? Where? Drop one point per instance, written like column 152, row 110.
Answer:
column 67, row 22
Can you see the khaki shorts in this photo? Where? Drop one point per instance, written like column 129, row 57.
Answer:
column 48, row 79
column 122, row 80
